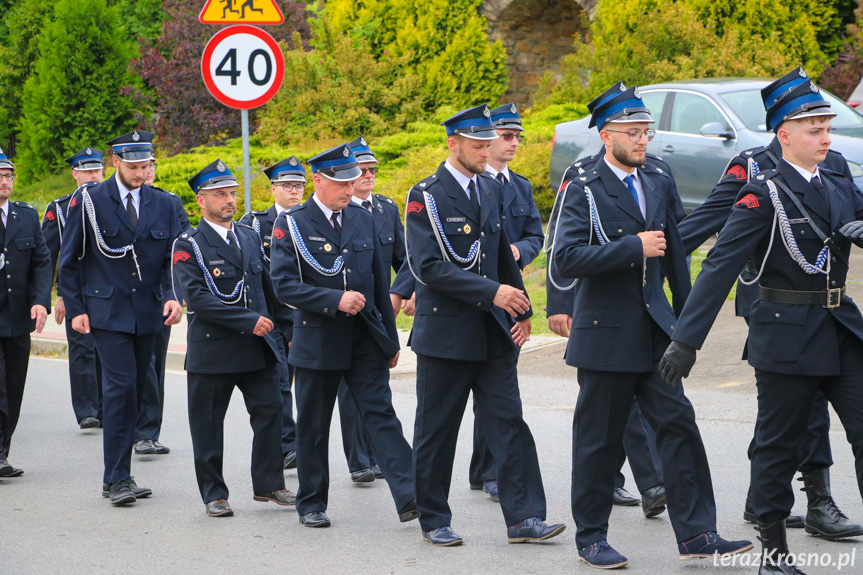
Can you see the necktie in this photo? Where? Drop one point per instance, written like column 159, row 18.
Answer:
column 473, row 196
column 501, row 178
column 819, row 187
column 2, row 229
column 367, row 205
column 234, row 245
column 336, row 225
column 630, row 183
column 130, row 209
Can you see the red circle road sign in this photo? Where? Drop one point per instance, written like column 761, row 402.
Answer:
column 243, row 67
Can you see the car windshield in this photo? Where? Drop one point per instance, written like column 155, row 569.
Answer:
column 748, row 106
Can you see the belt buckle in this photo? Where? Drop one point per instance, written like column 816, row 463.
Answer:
column 834, row 297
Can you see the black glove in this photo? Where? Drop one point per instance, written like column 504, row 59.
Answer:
column 676, row 363
column 853, row 231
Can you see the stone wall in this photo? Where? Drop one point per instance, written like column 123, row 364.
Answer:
column 536, row 34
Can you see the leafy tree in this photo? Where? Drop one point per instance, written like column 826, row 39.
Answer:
column 75, row 95
column 141, row 18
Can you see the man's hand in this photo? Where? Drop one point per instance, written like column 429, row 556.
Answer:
column 676, row 363
column 513, row 301
column 352, row 302
column 653, row 244
column 410, row 305
column 81, row 323
column 263, row 327
column 521, row 332
column 560, row 323
column 173, row 312
column 395, row 361
column 59, row 311
column 515, row 253
column 853, row 231
column 40, row 314
column 396, row 301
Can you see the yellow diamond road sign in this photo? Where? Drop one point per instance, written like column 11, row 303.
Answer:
column 241, row 12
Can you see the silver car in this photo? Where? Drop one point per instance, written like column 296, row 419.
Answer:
column 700, row 126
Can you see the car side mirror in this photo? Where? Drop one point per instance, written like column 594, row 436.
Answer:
column 716, row 130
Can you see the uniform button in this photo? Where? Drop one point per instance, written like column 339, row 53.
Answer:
column 498, row 225
column 304, row 322
column 390, row 239
column 478, row 304
column 10, row 277
column 595, row 322
column 349, row 270
column 632, row 265
column 458, row 229
column 434, row 309
column 133, row 290
column 326, row 310
column 661, row 225
column 364, row 245
column 672, row 328
column 10, row 289
column 620, row 230
column 833, row 283
column 778, row 315
column 96, row 291
column 833, row 259
column 344, row 251
column 802, row 232
column 134, row 274
column 485, row 276
column 208, row 335
column 242, row 333
column 648, row 305
column 482, row 234
column 483, row 256
column 504, row 218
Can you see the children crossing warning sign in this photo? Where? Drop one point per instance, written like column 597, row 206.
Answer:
column 241, row 12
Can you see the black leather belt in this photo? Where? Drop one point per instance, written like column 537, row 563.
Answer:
column 826, row 298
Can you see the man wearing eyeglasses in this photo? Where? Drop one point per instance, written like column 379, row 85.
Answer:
column 287, row 184
column 25, row 298
column 391, row 235
column 152, row 404
column 85, row 371
column 113, row 261
column 618, row 235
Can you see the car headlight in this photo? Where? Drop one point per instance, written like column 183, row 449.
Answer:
column 856, row 170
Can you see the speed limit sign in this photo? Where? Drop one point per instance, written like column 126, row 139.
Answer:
column 243, row 67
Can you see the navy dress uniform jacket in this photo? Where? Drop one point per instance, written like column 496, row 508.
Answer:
column 323, row 334
column 391, row 232
column 53, row 224
column 708, row 218
column 26, row 276
column 613, row 312
column 783, row 338
column 455, row 317
column 520, row 218
column 220, row 338
column 114, row 297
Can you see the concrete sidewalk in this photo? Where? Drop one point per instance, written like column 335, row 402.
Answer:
column 52, row 342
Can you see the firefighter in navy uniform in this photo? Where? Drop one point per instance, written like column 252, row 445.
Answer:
column 25, row 299
column 326, row 263
column 85, row 371
column 287, row 183
column 152, row 404
column 797, row 223
column 221, row 272
column 115, row 254
column 467, row 282
column 390, row 232
column 618, row 235
column 823, row 517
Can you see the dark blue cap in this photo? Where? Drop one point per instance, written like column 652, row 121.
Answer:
column 136, row 146
column 474, row 123
column 362, row 151
column 803, row 101
column 506, row 117
column 618, row 105
column 337, row 164
column 216, row 175
column 87, row 159
column 788, row 82
column 290, row 170
column 5, row 163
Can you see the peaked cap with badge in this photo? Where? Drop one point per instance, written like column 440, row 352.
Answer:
column 86, row 159
column 506, row 117
column 338, row 164
column 289, row 170
column 618, row 105
column 362, row 151
column 136, row 146
column 801, row 101
column 474, row 123
column 215, row 176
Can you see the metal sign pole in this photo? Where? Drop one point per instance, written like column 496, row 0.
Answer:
column 247, row 170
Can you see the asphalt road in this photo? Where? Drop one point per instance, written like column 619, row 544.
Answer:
column 53, row 520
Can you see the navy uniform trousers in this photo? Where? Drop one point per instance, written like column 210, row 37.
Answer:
column 85, row 370
column 708, row 219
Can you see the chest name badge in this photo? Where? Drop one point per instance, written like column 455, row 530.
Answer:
column 467, row 228
column 451, row 220
column 216, row 263
column 316, row 239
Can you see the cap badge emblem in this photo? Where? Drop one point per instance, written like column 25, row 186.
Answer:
column 221, row 166
column 486, row 112
column 813, row 87
column 513, row 109
column 802, row 72
column 345, row 152
column 636, row 92
column 292, row 161
column 89, row 151
column 363, row 141
column 135, row 136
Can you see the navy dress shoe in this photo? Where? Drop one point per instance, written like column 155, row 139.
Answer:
column 443, row 537
column 5, row 469
column 138, row 492
column 280, row 497
column 376, row 469
column 315, row 519
column 89, row 422
column 653, row 501
column 291, row 459
column 710, row 544
column 408, row 512
column 145, row 447
column 490, row 487
column 161, row 449
column 625, row 498
column 16, row 472
column 602, row 556
column 533, row 529
column 219, row 508
column 363, row 476
column 120, row 492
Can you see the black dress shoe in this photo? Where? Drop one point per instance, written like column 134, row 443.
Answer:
column 625, row 498
column 138, row 492
column 376, row 469
column 5, row 469
column 363, row 476
column 653, row 501
column 823, row 517
column 291, row 459
column 89, row 422
column 315, row 519
column 408, row 512
column 219, row 508
column 145, row 447
column 280, row 497
column 533, row 529
column 161, row 449
column 121, row 492
column 792, row 522
column 443, row 537
column 16, row 472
